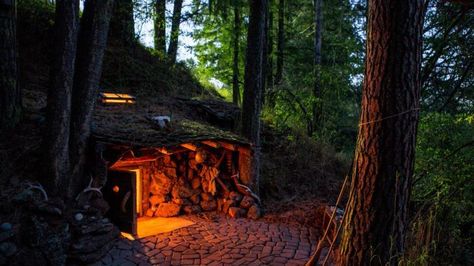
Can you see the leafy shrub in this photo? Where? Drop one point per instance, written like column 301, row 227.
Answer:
column 443, row 192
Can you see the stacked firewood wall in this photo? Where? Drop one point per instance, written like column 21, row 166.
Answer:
column 192, row 182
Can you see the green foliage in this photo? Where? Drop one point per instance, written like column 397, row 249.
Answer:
column 448, row 60
column 342, row 60
column 214, row 48
column 289, row 104
column 443, row 193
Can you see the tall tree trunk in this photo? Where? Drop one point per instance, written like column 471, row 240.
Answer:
column 176, row 21
column 375, row 220
column 317, row 104
column 236, row 47
column 280, row 42
column 269, row 74
column 251, row 104
column 265, row 57
column 160, row 27
column 56, row 139
column 10, row 100
column 90, row 51
column 122, row 24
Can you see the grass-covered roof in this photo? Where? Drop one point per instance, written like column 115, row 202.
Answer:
column 132, row 126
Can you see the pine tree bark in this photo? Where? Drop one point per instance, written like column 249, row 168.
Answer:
column 122, row 24
column 235, row 67
column 280, row 42
column 253, row 84
column 376, row 216
column 160, row 27
column 56, row 138
column 269, row 35
column 176, row 21
column 10, row 100
column 265, row 55
column 90, row 51
column 317, row 103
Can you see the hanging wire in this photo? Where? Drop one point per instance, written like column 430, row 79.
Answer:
column 387, row 117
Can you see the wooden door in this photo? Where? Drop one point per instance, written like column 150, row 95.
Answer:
column 119, row 192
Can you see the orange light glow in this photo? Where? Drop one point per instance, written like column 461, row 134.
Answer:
column 117, row 101
column 149, row 226
column 138, row 187
column 117, row 95
column 116, row 98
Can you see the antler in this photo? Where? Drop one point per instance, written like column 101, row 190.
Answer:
column 90, row 188
column 38, row 187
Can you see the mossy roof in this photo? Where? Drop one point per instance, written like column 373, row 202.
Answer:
column 132, row 126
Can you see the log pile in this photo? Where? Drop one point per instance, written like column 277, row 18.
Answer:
column 192, row 182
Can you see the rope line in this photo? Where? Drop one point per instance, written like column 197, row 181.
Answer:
column 313, row 260
column 388, row 117
column 351, row 191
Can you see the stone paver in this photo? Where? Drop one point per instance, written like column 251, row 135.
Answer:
column 221, row 241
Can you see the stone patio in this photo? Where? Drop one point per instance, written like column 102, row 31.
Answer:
column 218, row 241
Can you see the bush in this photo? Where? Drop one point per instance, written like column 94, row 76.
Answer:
column 443, row 192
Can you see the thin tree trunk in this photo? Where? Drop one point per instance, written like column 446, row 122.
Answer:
column 56, row 139
column 280, row 42
column 90, row 51
column 160, row 27
column 376, row 216
column 317, row 104
column 235, row 68
column 176, row 21
column 10, row 100
column 265, row 56
column 269, row 74
column 251, row 104
column 122, row 24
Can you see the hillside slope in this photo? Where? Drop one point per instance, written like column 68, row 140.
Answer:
column 296, row 170
column 128, row 69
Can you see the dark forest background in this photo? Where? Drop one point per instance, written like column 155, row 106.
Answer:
column 311, row 92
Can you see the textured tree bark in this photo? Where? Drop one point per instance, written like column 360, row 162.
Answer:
column 376, row 216
column 160, row 27
column 280, row 42
column 269, row 39
column 176, row 21
column 317, row 104
column 10, row 100
column 56, row 139
column 90, row 51
column 122, row 24
column 253, row 83
column 265, row 57
column 236, row 47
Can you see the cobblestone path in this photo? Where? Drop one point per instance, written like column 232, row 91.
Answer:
column 220, row 241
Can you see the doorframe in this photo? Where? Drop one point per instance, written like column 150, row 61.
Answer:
column 136, row 174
